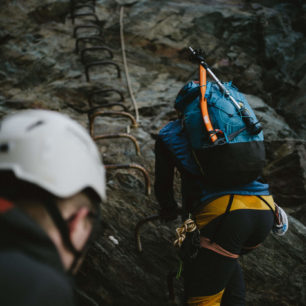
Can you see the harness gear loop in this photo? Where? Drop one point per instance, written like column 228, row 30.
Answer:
column 188, row 227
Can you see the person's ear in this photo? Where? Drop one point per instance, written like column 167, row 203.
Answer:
column 76, row 217
column 79, row 227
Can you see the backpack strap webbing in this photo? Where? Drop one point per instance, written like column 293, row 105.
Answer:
column 275, row 211
column 221, row 220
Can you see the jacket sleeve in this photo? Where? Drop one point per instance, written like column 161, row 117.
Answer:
column 164, row 174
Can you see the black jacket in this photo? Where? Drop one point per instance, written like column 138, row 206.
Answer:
column 31, row 271
column 172, row 150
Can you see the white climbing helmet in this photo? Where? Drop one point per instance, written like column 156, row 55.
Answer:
column 51, row 150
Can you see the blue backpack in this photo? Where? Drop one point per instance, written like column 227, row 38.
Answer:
column 237, row 157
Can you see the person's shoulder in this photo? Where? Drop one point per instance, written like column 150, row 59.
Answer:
column 171, row 126
column 26, row 281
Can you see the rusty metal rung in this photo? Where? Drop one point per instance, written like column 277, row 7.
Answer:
column 142, row 222
column 86, row 27
column 102, row 91
column 137, row 229
column 73, row 8
column 94, row 49
column 108, row 113
column 133, row 166
column 74, row 3
column 93, row 109
column 99, row 63
column 107, row 105
column 120, row 135
column 88, row 38
column 77, row 15
column 80, row 6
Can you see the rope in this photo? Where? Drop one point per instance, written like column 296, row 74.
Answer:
column 125, row 65
column 188, row 227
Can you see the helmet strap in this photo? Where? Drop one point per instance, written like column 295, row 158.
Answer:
column 61, row 225
column 63, row 228
column 94, row 231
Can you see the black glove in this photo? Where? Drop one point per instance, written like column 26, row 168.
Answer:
column 168, row 213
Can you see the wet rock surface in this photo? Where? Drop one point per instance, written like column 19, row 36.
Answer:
column 260, row 46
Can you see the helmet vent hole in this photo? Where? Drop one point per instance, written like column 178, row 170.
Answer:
column 34, row 125
column 4, row 147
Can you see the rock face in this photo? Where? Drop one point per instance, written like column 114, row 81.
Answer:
column 260, row 46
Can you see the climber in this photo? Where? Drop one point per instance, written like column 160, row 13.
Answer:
column 228, row 220
column 52, row 183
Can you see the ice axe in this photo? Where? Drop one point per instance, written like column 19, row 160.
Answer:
column 253, row 127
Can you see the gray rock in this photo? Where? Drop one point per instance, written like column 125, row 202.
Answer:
column 53, row 11
column 274, row 125
column 286, row 158
column 261, row 47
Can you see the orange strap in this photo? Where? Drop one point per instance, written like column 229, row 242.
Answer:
column 203, row 105
column 207, row 244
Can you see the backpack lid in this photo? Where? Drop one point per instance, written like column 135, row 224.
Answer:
column 186, row 95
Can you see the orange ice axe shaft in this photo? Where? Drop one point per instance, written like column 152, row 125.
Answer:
column 203, row 105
